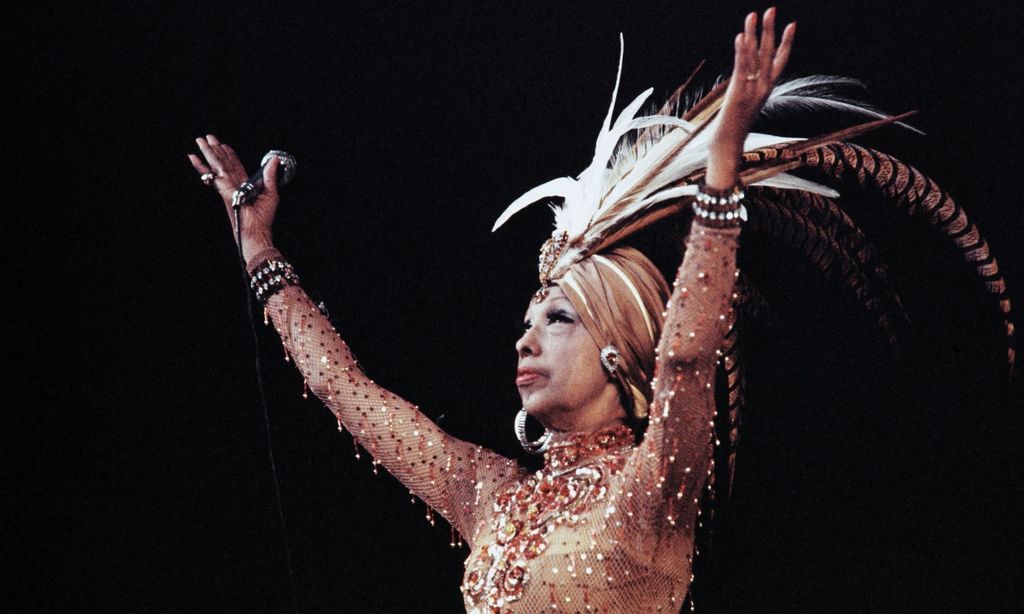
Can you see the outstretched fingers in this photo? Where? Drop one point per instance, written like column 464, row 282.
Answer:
column 750, row 30
column 766, row 50
column 221, row 161
column 213, row 154
column 762, row 57
column 750, row 44
column 231, row 161
column 746, row 45
column 782, row 54
column 221, row 158
column 198, row 164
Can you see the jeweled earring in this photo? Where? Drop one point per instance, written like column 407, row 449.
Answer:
column 610, row 358
column 531, row 447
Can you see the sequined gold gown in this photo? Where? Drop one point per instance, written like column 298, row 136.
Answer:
column 605, row 526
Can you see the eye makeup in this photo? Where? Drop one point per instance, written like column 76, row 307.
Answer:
column 552, row 316
column 560, row 315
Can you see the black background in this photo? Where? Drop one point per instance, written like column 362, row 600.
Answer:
column 137, row 477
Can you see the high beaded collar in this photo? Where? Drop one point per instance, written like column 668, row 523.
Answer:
column 577, row 448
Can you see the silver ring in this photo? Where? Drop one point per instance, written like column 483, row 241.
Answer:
column 207, row 178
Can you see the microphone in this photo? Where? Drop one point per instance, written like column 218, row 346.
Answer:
column 252, row 187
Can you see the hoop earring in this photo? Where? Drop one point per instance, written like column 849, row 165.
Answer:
column 610, row 359
column 531, row 447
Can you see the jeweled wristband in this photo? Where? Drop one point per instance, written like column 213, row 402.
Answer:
column 271, row 276
column 719, row 208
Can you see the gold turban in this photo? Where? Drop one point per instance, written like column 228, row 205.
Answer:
column 620, row 296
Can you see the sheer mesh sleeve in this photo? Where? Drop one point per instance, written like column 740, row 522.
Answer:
column 674, row 460
column 450, row 475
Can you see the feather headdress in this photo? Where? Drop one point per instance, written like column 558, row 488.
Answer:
column 641, row 164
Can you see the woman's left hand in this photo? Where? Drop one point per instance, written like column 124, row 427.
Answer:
column 756, row 68
column 227, row 173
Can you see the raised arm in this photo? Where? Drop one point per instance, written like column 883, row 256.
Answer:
column 674, row 460
column 450, row 475
column 675, row 455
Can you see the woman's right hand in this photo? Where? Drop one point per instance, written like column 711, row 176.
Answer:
column 257, row 218
column 756, row 68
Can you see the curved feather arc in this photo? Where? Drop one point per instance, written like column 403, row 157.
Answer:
column 911, row 192
column 562, row 187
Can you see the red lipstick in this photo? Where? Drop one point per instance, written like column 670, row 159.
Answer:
column 525, row 376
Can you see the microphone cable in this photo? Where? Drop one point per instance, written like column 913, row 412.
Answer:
column 237, row 208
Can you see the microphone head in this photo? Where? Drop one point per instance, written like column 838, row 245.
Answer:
column 287, row 168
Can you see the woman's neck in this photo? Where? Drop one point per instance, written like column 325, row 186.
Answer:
column 558, row 435
column 573, row 449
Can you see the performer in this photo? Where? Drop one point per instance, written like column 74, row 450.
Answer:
column 618, row 366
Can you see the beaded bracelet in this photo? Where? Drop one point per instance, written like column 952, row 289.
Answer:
column 719, row 208
column 271, row 276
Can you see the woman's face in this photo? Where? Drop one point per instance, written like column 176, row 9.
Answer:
column 560, row 377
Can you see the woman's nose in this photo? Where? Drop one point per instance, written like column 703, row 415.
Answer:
column 527, row 344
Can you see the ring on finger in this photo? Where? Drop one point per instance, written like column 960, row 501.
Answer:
column 207, row 178
column 754, row 76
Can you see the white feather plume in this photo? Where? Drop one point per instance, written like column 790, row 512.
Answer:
column 821, row 94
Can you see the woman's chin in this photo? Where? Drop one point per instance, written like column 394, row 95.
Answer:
column 541, row 408
column 534, row 406
column 527, row 400
column 533, row 410
column 541, row 412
